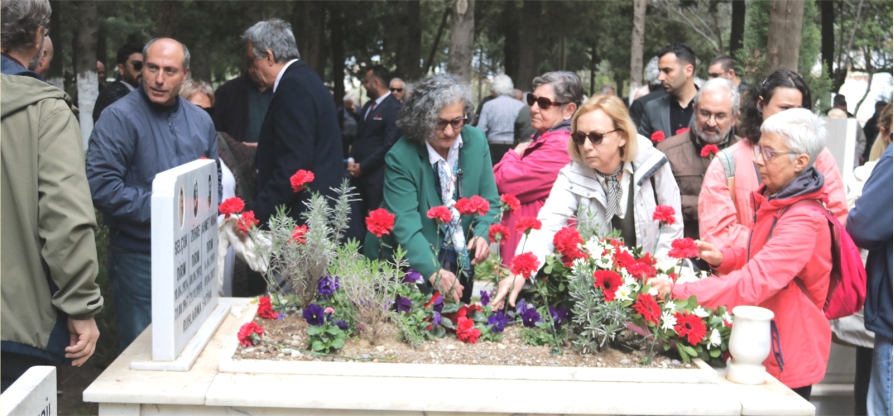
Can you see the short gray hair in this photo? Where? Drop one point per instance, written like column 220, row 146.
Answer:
column 275, row 35
column 567, row 86
column 720, row 85
column 502, row 85
column 651, row 72
column 606, row 88
column 396, row 79
column 420, row 110
column 20, row 19
column 185, row 51
column 193, row 86
column 800, row 129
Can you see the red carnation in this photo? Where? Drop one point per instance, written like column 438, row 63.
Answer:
column 526, row 224
column 246, row 222
column 510, row 203
column 664, row 215
column 299, row 235
column 440, row 213
column 380, row 222
column 623, row 258
column 231, row 206
column 690, row 327
column 479, row 204
column 464, row 206
column 247, row 333
column 658, row 137
column 265, row 309
column 681, row 130
column 642, row 268
column 608, row 281
column 301, row 178
column 709, row 151
column 498, row 233
column 566, row 242
column 524, row 264
column 646, row 306
column 466, row 331
column 683, row 248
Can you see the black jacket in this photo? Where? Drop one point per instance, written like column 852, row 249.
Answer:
column 111, row 93
column 375, row 135
column 639, row 105
column 300, row 131
column 231, row 107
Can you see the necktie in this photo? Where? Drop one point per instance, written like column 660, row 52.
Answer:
column 371, row 108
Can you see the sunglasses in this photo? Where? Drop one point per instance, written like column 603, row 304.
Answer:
column 579, row 137
column 397, row 90
column 543, row 102
column 137, row 65
column 456, row 124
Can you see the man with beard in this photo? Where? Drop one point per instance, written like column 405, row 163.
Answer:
column 130, row 66
column 669, row 114
column 25, row 27
column 716, row 109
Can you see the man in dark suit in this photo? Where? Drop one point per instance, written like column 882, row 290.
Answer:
column 376, row 134
column 669, row 114
column 300, row 130
column 130, row 66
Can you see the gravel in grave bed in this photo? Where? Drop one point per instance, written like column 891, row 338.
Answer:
column 290, row 332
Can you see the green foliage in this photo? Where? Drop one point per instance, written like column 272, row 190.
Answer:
column 325, row 338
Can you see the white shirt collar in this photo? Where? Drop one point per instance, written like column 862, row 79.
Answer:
column 452, row 153
column 282, row 71
column 378, row 101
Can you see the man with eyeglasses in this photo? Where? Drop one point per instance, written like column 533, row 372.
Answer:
column 716, row 109
column 397, row 89
column 130, row 67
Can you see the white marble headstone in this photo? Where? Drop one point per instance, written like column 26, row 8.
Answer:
column 33, row 394
column 841, row 140
column 184, row 255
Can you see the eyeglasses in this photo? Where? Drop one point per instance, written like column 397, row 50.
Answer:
column 543, row 102
column 137, row 65
column 767, row 153
column 456, row 124
column 579, row 137
column 397, row 90
column 718, row 117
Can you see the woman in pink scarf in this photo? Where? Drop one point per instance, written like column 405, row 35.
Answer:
column 529, row 170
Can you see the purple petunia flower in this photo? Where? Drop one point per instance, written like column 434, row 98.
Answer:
column 530, row 317
column 341, row 324
column 485, row 298
column 521, row 306
column 412, row 277
column 559, row 315
column 404, row 304
column 438, row 306
column 328, row 285
column 436, row 319
column 313, row 314
column 498, row 320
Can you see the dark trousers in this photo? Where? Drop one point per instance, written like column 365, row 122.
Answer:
column 13, row 365
column 497, row 151
column 370, row 188
column 131, row 277
column 862, row 374
column 804, row 392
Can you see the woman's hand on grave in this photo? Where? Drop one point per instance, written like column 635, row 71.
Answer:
column 510, row 286
column 446, row 282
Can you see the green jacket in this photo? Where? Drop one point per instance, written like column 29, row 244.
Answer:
column 410, row 193
column 48, row 258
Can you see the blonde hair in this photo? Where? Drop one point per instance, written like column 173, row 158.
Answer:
column 192, row 87
column 885, row 120
column 614, row 108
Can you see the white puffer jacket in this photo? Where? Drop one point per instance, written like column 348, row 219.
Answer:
column 577, row 185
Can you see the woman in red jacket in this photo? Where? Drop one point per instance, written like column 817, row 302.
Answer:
column 529, row 170
column 786, row 265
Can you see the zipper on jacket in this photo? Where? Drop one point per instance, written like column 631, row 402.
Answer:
column 174, row 136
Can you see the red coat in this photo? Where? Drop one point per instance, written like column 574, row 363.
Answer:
column 800, row 246
column 530, row 177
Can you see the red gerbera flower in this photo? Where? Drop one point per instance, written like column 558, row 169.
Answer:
column 299, row 234
column 380, row 222
column 608, row 281
column 646, row 306
column 683, row 248
column 510, row 203
column 681, row 130
column 440, row 213
column 623, row 258
column 664, row 215
column 231, row 206
column 657, row 137
column 524, row 264
column 301, row 178
column 498, row 233
column 265, row 309
column 526, row 224
column 246, row 222
column 709, row 151
column 690, row 327
column 247, row 332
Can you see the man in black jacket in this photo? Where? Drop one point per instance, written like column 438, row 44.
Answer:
column 300, row 130
column 377, row 133
column 130, row 66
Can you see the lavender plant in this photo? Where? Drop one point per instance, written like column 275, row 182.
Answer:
column 597, row 321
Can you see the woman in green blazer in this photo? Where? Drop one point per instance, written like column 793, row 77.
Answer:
column 438, row 161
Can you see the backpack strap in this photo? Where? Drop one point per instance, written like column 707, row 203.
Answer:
column 729, row 170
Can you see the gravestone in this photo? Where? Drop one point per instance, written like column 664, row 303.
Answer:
column 33, row 394
column 185, row 310
column 841, row 140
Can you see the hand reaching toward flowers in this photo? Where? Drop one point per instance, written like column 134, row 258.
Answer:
column 663, row 285
column 482, row 249
column 448, row 284
column 515, row 282
column 709, row 253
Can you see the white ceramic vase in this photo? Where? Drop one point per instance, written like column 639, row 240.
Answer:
column 749, row 344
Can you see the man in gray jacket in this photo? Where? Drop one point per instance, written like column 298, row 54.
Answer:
column 148, row 131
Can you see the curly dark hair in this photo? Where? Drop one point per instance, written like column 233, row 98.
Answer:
column 752, row 114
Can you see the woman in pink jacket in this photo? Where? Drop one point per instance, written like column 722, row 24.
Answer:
column 724, row 217
column 529, row 170
column 786, row 264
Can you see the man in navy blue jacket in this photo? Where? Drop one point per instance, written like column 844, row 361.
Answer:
column 300, row 130
column 148, row 131
column 870, row 225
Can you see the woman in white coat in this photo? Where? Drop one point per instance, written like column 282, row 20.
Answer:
column 615, row 173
